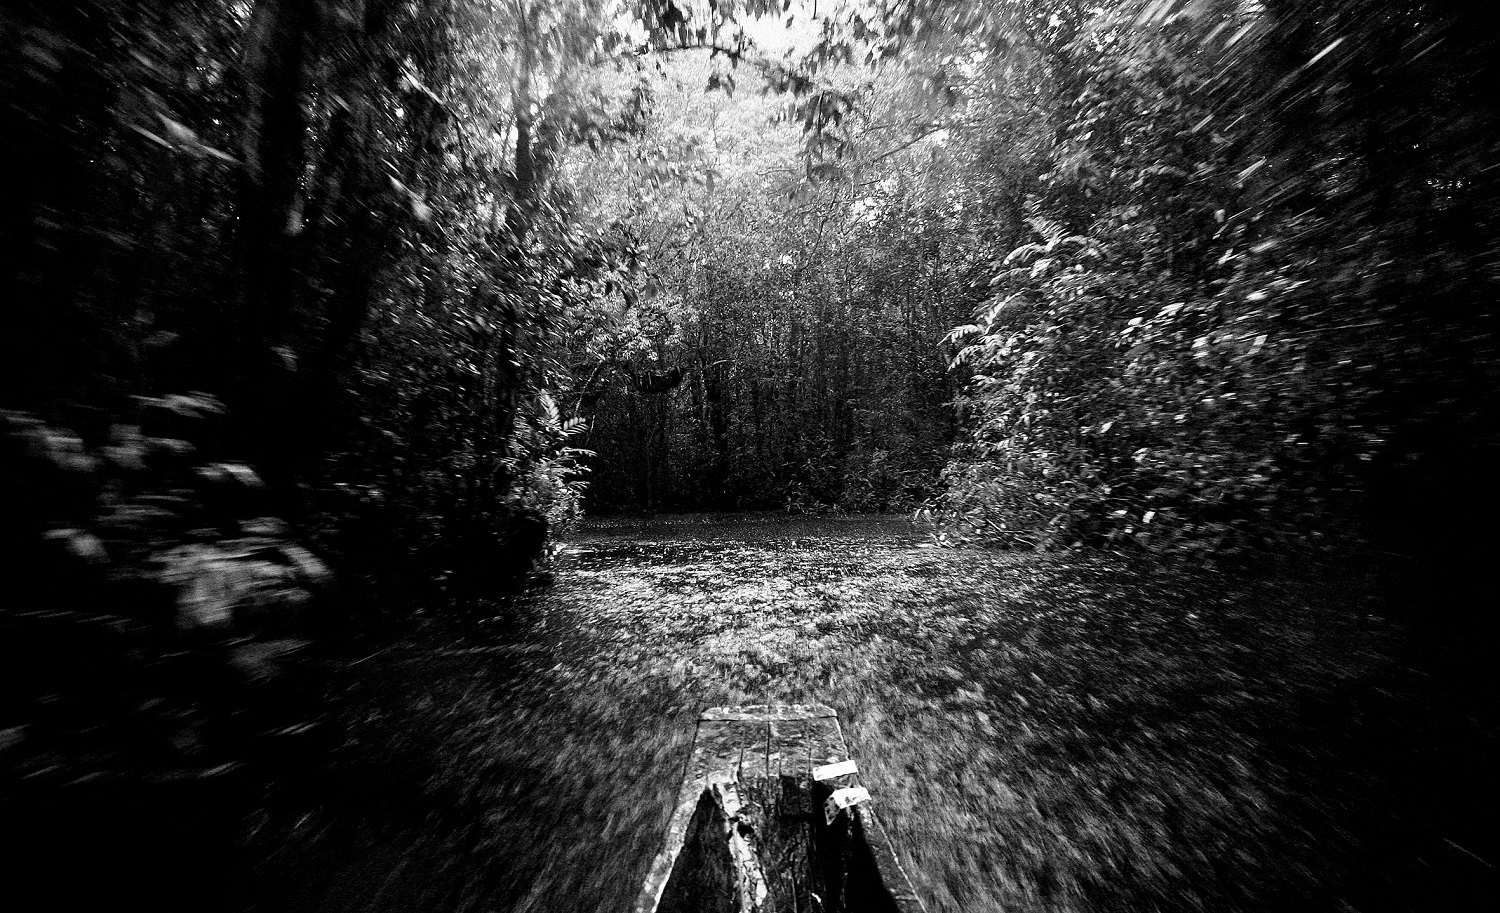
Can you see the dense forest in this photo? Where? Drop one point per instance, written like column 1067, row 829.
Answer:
column 319, row 309
column 1188, row 276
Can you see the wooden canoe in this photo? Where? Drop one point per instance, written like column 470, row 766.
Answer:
column 750, row 833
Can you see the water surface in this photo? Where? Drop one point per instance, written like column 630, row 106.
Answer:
column 1039, row 733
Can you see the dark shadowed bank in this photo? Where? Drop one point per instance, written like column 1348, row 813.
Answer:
column 1041, row 733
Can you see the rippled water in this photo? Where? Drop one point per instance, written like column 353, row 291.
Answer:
column 1039, row 733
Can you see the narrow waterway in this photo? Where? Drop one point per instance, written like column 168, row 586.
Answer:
column 1039, row 733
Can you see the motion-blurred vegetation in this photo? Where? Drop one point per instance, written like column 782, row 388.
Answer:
column 1242, row 279
column 341, row 219
column 317, row 308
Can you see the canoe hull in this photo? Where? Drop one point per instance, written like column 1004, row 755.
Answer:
column 749, row 833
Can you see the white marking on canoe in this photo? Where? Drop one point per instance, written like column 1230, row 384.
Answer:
column 842, row 799
column 829, row 771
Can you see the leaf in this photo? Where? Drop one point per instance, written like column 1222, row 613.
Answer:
column 231, row 473
column 962, row 334
column 80, row 544
column 1324, row 53
column 548, row 406
column 178, row 132
column 206, row 598
column 311, row 569
column 1025, row 250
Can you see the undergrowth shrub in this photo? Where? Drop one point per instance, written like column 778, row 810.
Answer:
column 157, row 627
column 1204, row 344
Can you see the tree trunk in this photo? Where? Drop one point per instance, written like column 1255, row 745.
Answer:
column 273, row 149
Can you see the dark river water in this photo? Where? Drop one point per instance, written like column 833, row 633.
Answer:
column 1038, row 733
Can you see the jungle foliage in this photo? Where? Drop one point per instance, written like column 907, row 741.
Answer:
column 1220, row 270
column 1240, row 293
column 286, row 283
column 310, row 298
column 1214, row 275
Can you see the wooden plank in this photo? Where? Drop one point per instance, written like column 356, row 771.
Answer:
column 748, row 823
column 785, row 840
column 825, row 743
column 716, row 751
column 789, row 743
column 750, row 882
column 776, row 731
column 755, row 751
